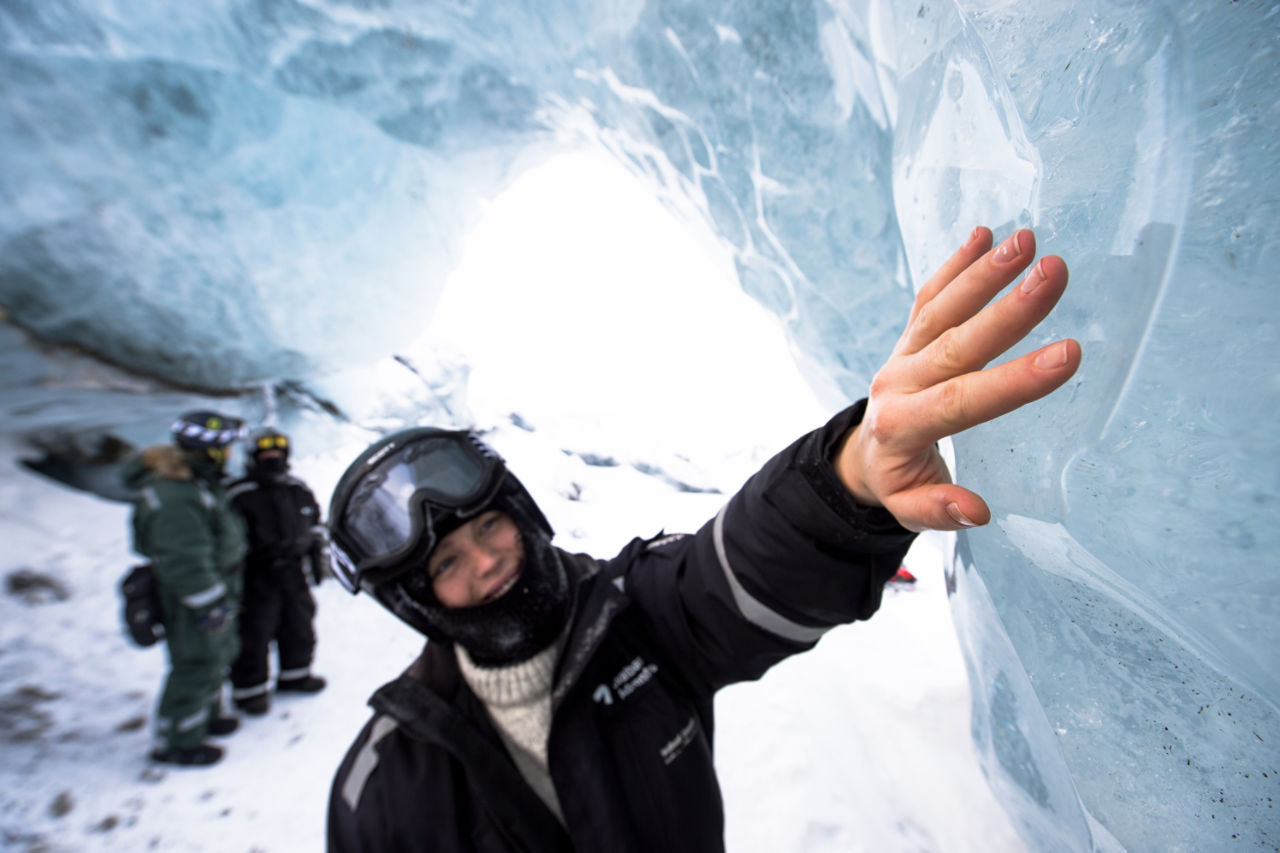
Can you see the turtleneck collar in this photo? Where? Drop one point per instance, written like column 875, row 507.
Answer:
column 512, row 684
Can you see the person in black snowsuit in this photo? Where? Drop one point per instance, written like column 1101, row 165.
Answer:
column 288, row 551
column 564, row 703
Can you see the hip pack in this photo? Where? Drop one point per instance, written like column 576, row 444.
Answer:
column 142, row 620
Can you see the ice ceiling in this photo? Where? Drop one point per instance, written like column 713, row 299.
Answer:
column 226, row 193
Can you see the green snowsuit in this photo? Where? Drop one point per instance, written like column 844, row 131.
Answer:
column 183, row 524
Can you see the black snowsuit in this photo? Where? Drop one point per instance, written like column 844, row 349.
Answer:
column 286, row 543
column 654, row 633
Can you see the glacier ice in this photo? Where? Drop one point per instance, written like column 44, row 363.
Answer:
column 265, row 190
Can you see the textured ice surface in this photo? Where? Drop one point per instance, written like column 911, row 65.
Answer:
column 247, row 191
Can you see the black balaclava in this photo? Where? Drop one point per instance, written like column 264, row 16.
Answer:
column 266, row 463
column 512, row 628
column 262, row 465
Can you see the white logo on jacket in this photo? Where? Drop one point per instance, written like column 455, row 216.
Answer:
column 629, row 679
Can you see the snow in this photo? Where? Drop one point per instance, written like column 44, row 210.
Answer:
column 861, row 744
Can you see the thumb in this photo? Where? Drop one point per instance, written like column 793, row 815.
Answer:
column 939, row 506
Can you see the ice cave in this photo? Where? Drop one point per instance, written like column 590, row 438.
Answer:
column 171, row 180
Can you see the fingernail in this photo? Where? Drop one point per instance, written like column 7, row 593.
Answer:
column 1054, row 356
column 1011, row 249
column 1008, row 250
column 953, row 510
column 973, row 237
column 1034, row 279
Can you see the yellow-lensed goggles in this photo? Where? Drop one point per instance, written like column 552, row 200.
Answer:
column 267, row 442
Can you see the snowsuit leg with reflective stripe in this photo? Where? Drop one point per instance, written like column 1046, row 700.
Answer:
column 198, row 662
column 277, row 606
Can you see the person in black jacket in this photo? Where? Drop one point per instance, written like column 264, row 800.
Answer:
column 563, row 702
column 288, row 550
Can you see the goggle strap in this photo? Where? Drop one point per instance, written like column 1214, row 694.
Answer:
column 344, row 570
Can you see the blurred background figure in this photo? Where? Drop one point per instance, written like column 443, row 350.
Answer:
column 288, row 550
column 183, row 524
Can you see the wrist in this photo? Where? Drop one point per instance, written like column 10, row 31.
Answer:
column 846, row 462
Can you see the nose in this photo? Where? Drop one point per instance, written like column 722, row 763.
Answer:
column 484, row 562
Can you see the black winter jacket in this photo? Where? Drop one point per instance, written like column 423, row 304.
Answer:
column 283, row 521
column 654, row 633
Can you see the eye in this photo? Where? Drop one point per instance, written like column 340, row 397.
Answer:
column 442, row 567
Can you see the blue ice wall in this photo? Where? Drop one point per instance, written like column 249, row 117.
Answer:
column 256, row 190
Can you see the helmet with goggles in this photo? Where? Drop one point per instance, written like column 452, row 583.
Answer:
column 266, row 438
column 200, row 430
column 268, row 452
column 406, row 491
column 206, row 432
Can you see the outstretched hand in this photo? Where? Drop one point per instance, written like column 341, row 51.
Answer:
column 936, row 383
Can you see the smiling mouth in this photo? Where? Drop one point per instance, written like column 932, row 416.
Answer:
column 504, row 587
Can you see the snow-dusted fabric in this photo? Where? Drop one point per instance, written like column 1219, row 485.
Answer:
column 518, row 699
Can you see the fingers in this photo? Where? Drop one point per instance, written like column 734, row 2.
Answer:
column 974, row 398
column 978, row 244
column 973, row 344
column 958, row 294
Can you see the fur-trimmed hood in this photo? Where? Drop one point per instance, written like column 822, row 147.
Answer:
column 160, row 460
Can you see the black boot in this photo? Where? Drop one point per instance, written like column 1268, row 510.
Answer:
column 255, row 705
column 305, row 684
column 189, row 756
column 221, row 726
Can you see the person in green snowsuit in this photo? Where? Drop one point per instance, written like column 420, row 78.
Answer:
column 184, row 525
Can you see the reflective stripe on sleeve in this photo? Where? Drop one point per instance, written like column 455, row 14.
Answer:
column 240, row 488
column 751, row 609
column 366, row 760
column 205, row 597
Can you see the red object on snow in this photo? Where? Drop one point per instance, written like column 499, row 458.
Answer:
column 903, row 576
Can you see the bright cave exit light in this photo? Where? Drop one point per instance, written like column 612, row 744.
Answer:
column 580, row 299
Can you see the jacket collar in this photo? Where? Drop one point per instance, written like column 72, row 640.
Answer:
column 591, row 616
column 593, row 608
column 450, row 716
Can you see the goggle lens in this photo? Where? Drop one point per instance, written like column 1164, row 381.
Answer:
column 384, row 515
column 267, row 442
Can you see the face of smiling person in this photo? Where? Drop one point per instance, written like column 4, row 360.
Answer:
column 477, row 562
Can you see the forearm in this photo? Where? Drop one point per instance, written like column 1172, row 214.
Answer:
column 797, row 536
column 790, row 556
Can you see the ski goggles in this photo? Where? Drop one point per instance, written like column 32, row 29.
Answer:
column 270, row 442
column 384, row 508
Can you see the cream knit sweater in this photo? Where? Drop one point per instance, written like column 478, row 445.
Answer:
column 518, row 699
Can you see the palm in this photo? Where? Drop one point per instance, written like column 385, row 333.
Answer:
column 937, row 382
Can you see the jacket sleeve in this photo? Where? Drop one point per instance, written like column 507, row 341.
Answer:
column 181, row 544
column 351, row 828
column 790, row 556
column 375, row 785
column 318, row 551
